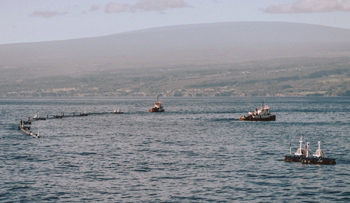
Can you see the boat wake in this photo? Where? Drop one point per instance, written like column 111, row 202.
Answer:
column 224, row 119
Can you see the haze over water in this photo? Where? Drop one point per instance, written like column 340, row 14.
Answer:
column 196, row 151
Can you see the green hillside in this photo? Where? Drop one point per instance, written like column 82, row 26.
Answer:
column 277, row 77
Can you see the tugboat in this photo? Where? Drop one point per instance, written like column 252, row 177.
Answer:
column 157, row 107
column 302, row 155
column 262, row 114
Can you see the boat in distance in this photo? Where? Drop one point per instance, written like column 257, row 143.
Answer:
column 261, row 114
column 118, row 111
column 157, row 107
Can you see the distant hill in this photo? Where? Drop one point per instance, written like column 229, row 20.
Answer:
column 184, row 44
column 174, row 46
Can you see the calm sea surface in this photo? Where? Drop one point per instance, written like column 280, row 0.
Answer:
column 196, row 151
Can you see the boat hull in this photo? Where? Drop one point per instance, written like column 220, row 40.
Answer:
column 258, row 118
column 309, row 160
column 156, row 110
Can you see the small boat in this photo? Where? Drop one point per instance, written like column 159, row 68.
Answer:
column 25, row 125
column 27, row 122
column 304, row 156
column 118, row 111
column 36, row 117
column 59, row 116
column 157, row 107
column 84, row 114
column 262, row 114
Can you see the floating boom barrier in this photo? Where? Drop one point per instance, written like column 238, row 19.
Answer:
column 25, row 126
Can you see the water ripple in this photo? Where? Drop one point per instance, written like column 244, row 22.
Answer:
column 197, row 151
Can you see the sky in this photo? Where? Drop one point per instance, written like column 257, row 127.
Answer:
column 48, row 20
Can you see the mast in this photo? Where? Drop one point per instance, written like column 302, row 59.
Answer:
column 300, row 150
column 319, row 145
column 319, row 152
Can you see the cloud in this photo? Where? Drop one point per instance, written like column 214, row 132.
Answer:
column 46, row 14
column 158, row 5
column 94, row 8
column 116, row 8
column 145, row 5
column 310, row 6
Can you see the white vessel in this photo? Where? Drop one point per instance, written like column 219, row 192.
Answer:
column 157, row 107
column 261, row 114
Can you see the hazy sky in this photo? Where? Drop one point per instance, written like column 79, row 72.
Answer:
column 46, row 20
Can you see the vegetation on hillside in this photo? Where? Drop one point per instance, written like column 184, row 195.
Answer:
column 277, row 77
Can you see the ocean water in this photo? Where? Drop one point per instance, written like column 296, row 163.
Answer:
column 196, row 151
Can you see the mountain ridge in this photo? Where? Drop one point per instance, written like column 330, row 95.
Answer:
column 185, row 44
column 162, row 55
